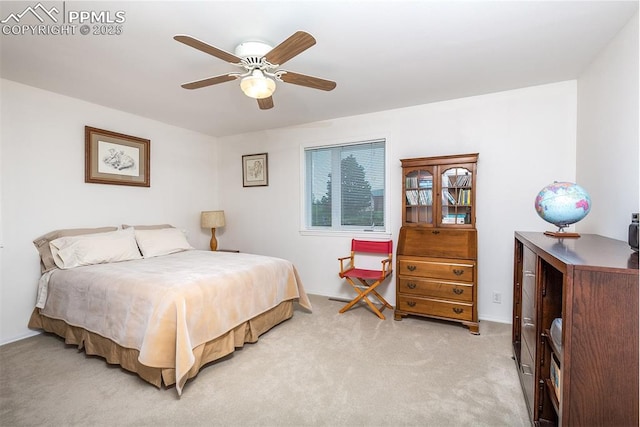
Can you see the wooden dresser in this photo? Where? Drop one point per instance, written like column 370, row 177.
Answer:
column 436, row 272
column 588, row 375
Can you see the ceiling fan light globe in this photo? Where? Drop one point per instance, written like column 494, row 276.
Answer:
column 258, row 86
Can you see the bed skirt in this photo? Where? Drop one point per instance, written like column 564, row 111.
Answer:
column 127, row 358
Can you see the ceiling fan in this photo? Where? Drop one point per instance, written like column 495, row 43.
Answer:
column 260, row 63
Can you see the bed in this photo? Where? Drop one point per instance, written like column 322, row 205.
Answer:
column 146, row 300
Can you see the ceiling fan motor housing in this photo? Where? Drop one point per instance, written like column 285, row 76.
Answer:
column 252, row 49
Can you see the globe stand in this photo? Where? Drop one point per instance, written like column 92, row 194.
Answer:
column 561, row 233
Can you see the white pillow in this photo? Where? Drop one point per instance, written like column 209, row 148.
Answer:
column 96, row 248
column 162, row 241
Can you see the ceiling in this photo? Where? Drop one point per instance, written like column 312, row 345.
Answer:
column 382, row 54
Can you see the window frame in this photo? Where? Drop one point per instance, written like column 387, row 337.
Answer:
column 304, row 188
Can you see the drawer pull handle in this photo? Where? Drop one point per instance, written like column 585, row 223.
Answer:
column 411, row 303
column 411, row 267
column 411, row 285
column 458, row 310
column 458, row 291
column 435, row 232
column 529, row 273
column 526, row 370
column 458, row 271
column 527, row 322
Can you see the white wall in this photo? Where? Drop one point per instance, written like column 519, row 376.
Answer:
column 43, row 188
column 526, row 140
column 607, row 154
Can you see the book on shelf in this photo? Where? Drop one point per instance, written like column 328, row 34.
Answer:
column 418, row 182
column 464, row 197
column 425, row 197
column 419, row 197
column 555, row 376
column 460, row 180
column 448, row 196
column 412, row 197
column 425, row 183
column 454, row 219
column 411, row 182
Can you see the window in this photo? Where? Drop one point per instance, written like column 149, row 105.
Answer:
column 345, row 187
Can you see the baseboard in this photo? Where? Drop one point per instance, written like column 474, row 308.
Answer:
column 339, row 299
column 20, row 338
column 495, row 320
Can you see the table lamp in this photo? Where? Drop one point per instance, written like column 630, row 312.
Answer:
column 212, row 220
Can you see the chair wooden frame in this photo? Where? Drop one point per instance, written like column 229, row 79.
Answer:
column 367, row 280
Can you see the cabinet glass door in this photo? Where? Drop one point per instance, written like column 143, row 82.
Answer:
column 419, row 197
column 456, row 196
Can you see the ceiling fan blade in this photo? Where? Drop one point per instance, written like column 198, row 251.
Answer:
column 210, row 81
column 265, row 103
column 308, row 81
column 207, row 48
column 294, row 45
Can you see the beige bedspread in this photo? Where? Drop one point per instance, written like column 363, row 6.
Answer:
column 167, row 306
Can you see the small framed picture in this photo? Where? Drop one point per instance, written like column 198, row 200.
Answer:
column 115, row 158
column 255, row 170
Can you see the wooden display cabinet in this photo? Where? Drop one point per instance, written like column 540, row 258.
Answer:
column 439, row 191
column 437, row 247
column 590, row 377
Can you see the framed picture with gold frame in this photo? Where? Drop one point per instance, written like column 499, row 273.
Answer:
column 255, row 170
column 116, row 158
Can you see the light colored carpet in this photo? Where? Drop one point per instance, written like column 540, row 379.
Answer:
column 316, row 369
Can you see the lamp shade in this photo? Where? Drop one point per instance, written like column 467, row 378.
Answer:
column 257, row 85
column 212, row 219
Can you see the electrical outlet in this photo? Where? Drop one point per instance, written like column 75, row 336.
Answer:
column 496, row 297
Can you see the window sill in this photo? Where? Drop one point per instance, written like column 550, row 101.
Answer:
column 346, row 233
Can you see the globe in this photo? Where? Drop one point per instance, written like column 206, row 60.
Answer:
column 563, row 203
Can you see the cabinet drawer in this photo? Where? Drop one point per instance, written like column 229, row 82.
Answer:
column 436, row 289
column 433, row 307
column 438, row 242
column 529, row 272
column 528, row 323
column 526, row 373
column 437, row 269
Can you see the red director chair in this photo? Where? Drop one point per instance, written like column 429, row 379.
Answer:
column 365, row 281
